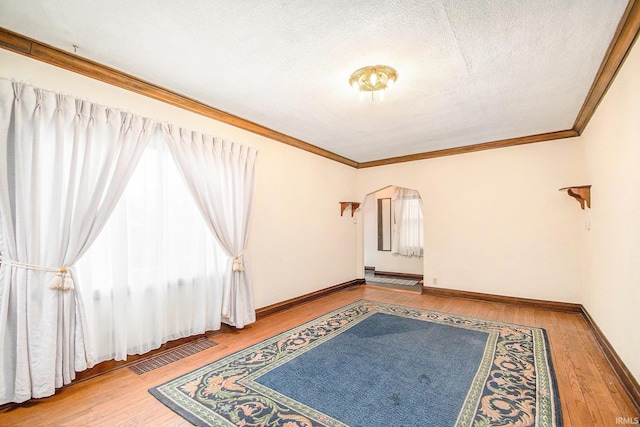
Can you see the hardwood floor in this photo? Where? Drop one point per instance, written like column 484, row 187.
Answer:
column 590, row 392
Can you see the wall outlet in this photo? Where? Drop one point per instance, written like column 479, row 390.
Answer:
column 434, row 281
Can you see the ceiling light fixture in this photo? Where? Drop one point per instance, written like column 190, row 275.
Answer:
column 373, row 78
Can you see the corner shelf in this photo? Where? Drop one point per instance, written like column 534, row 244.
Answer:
column 581, row 193
column 354, row 206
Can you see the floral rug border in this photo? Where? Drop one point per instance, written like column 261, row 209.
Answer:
column 514, row 382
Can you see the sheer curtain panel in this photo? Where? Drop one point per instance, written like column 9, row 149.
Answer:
column 221, row 177
column 408, row 227
column 64, row 163
column 155, row 273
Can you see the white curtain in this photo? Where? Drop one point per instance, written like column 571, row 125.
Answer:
column 156, row 272
column 64, row 163
column 408, row 227
column 221, row 177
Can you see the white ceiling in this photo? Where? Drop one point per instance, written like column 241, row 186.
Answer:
column 470, row 71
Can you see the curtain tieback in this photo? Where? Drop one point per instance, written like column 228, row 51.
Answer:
column 237, row 264
column 59, row 282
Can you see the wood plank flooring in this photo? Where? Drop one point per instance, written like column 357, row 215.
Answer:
column 591, row 394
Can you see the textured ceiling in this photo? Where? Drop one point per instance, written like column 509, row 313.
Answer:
column 470, row 72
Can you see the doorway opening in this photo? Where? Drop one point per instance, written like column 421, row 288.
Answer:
column 393, row 239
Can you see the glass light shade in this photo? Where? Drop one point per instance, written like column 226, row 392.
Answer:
column 373, row 79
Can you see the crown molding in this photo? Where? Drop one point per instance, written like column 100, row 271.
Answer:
column 472, row 148
column 626, row 34
column 69, row 61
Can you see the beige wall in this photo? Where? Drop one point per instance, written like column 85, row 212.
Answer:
column 495, row 221
column 299, row 241
column 611, row 142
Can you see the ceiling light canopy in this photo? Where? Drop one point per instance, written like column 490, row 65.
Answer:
column 373, row 78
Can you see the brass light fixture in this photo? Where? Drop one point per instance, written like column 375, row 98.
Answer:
column 373, row 78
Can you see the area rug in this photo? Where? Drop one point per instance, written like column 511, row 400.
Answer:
column 377, row 364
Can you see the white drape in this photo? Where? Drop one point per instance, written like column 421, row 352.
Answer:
column 64, row 163
column 408, row 227
column 156, row 272
column 221, row 177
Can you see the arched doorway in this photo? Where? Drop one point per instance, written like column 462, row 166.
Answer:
column 393, row 238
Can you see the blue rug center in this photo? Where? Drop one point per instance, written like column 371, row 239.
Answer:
column 385, row 371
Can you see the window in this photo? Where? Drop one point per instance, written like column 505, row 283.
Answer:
column 409, row 236
column 155, row 272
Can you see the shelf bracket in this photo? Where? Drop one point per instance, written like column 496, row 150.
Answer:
column 582, row 193
column 354, row 206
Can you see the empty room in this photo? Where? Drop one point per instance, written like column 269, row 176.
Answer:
column 319, row 213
